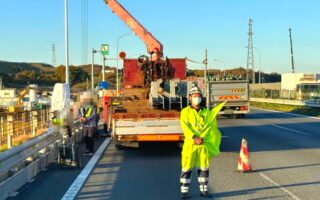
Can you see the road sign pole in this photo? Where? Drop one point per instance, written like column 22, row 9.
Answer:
column 103, row 67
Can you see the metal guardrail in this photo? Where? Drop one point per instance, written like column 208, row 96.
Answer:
column 286, row 102
column 21, row 164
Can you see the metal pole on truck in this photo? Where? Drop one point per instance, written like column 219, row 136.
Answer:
column 117, row 73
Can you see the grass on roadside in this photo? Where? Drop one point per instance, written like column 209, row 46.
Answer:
column 304, row 110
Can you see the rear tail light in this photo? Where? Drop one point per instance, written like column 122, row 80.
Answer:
column 243, row 108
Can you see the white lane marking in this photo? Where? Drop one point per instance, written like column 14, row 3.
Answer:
column 82, row 177
column 279, row 186
column 289, row 129
column 287, row 113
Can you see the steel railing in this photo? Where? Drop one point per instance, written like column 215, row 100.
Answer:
column 22, row 163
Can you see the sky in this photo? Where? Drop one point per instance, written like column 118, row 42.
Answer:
column 185, row 28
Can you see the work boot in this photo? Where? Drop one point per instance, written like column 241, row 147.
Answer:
column 184, row 195
column 206, row 194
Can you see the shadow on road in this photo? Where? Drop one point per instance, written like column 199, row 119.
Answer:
column 270, row 115
column 253, row 190
column 287, row 167
column 136, row 174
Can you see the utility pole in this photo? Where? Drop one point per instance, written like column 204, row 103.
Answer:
column 1, row 86
column 250, row 61
column 54, row 60
column 66, row 40
column 291, row 48
column 205, row 86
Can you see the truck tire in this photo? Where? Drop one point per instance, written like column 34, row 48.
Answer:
column 238, row 116
column 119, row 146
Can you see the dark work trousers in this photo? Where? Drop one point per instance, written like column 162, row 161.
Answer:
column 89, row 140
column 203, row 176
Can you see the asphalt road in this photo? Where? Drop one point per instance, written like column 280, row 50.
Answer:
column 284, row 152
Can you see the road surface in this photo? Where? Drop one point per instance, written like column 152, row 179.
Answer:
column 284, row 152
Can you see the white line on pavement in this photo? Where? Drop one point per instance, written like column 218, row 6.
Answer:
column 82, row 177
column 289, row 129
column 279, row 186
column 287, row 113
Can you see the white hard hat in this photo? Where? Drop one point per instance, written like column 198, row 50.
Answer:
column 195, row 90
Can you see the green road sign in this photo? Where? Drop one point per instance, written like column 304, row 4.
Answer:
column 105, row 49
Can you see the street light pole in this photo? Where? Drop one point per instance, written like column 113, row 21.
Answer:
column 92, row 71
column 259, row 63
column 66, row 40
column 117, row 73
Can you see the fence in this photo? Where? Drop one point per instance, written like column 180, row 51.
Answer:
column 284, row 94
column 20, row 126
column 274, row 94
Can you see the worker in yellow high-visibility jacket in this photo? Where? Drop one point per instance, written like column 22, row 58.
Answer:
column 87, row 114
column 201, row 143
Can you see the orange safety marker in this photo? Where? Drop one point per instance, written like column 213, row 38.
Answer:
column 243, row 160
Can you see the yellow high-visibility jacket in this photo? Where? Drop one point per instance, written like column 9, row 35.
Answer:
column 202, row 124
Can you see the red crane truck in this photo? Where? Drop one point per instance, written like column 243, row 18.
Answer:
column 130, row 117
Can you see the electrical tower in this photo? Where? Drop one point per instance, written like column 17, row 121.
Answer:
column 84, row 33
column 291, row 48
column 250, row 61
column 54, row 60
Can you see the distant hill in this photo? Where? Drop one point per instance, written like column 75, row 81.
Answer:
column 236, row 72
column 97, row 68
column 16, row 67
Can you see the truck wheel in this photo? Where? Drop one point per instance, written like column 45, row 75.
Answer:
column 180, row 144
column 120, row 147
column 238, row 116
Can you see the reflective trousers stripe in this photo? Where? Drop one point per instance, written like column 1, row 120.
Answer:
column 203, row 178
column 203, row 188
column 185, row 180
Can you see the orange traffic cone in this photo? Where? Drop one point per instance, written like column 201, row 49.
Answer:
column 243, row 160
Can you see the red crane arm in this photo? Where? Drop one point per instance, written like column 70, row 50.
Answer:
column 154, row 47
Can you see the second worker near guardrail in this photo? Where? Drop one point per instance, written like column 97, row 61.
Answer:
column 201, row 143
column 87, row 114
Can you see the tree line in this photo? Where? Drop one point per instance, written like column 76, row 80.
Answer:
column 79, row 77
